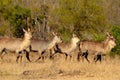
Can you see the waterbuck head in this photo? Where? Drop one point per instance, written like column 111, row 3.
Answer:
column 75, row 40
column 111, row 40
column 112, row 43
column 27, row 34
column 57, row 38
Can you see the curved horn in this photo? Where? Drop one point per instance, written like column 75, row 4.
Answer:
column 28, row 29
column 74, row 35
column 54, row 33
column 108, row 34
column 24, row 30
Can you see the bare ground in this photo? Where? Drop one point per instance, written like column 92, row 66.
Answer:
column 58, row 69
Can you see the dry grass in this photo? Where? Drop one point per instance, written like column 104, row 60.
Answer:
column 58, row 69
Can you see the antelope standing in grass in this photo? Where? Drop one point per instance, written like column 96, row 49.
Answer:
column 42, row 46
column 68, row 48
column 97, row 48
column 17, row 45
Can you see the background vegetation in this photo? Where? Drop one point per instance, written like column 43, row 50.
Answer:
column 89, row 19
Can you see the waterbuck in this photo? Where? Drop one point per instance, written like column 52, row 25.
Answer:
column 96, row 47
column 67, row 48
column 17, row 45
column 42, row 46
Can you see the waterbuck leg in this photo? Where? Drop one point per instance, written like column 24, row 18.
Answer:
column 86, row 57
column 98, row 57
column 82, row 57
column 51, row 54
column 27, row 56
column 18, row 56
column 41, row 55
column 43, row 58
column 66, row 55
column 95, row 58
column 79, row 55
column 38, row 58
column 3, row 52
column 70, row 57
column 30, row 47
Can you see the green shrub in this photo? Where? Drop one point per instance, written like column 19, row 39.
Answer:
column 116, row 33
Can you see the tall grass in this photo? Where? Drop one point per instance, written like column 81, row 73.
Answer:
column 58, row 69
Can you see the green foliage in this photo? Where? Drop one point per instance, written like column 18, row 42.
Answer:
column 2, row 30
column 18, row 19
column 99, row 37
column 16, row 16
column 90, row 18
column 5, row 2
column 82, row 15
column 116, row 33
column 65, row 33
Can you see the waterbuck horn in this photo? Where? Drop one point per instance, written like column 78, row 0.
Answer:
column 54, row 33
column 74, row 35
column 24, row 30
column 28, row 29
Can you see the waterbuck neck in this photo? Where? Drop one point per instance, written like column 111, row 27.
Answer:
column 55, row 40
column 51, row 45
column 26, row 41
column 74, row 41
column 73, row 44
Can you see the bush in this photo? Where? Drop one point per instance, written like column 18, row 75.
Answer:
column 116, row 33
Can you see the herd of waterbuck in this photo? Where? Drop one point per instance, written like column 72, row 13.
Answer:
column 56, row 45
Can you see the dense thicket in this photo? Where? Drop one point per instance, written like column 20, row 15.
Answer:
column 89, row 19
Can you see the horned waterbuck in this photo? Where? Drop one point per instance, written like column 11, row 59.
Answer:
column 97, row 48
column 42, row 46
column 17, row 45
column 67, row 48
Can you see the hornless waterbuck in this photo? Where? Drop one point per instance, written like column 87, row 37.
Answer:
column 42, row 46
column 17, row 45
column 97, row 48
column 67, row 48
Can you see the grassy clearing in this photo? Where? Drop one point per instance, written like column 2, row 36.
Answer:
column 58, row 69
